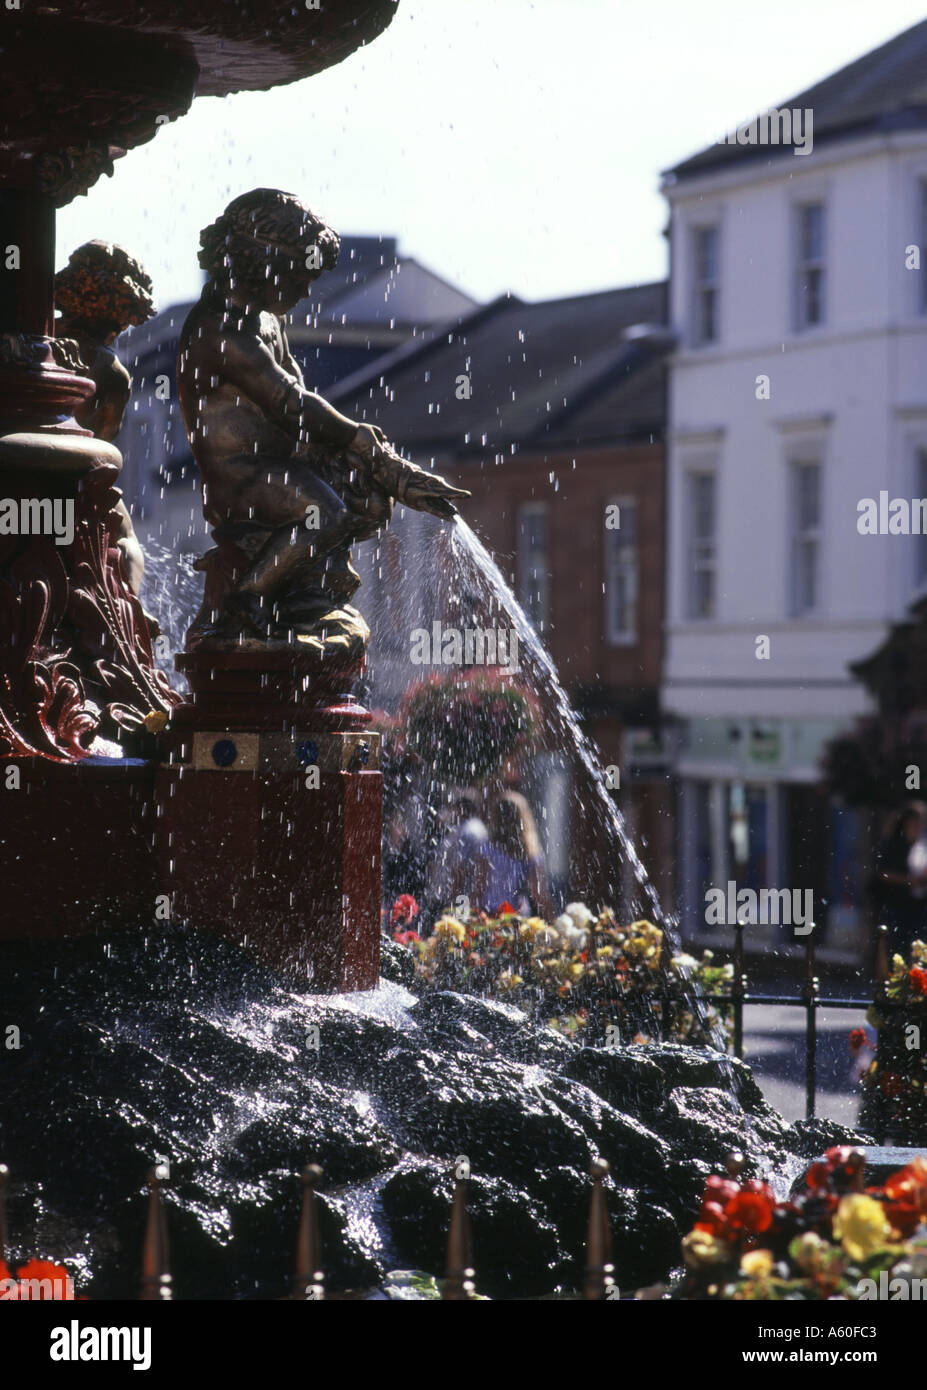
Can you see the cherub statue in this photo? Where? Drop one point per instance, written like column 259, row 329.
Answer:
column 100, row 292
column 288, row 482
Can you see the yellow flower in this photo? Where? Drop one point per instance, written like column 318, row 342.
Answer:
column 449, row 929
column 860, row 1225
column 757, row 1264
column 645, row 943
column 899, row 964
column 508, row 981
column 537, row 930
column 701, row 1249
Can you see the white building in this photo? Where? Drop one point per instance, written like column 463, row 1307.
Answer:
column 799, row 388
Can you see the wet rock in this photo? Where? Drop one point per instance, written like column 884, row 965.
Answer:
column 397, row 964
column 811, row 1138
column 177, row 1046
column 347, row 1142
column 451, row 1020
column 710, row 1124
column 515, row 1245
column 625, row 1077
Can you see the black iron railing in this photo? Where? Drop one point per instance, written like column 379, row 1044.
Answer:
column 809, row 998
column 308, row 1281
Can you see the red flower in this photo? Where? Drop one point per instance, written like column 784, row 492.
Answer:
column 713, row 1216
column 506, row 910
column 906, row 1198
column 840, row 1170
column 858, row 1040
column 752, row 1209
column 712, row 1219
column 918, row 979
column 817, row 1178
column 720, row 1190
column 891, row 1084
column 406, row 938
column 405, row 908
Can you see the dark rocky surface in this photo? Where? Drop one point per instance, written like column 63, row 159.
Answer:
column 177, row 1046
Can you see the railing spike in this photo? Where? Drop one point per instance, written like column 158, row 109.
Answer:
column 598, row 1278
column 308, row 1280
column 459, row 1285
column 156, row 1280
column 4, row 1237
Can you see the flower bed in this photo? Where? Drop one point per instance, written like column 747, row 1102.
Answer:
column 836, row 1240
column 583, row 975
column 895, row 1084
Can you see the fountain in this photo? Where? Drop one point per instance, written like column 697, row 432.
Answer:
column 251, row 809
column 83, row 704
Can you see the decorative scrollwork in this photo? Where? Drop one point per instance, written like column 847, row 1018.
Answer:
column 75, row 653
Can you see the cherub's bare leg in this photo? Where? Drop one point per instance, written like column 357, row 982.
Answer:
column 321, row 525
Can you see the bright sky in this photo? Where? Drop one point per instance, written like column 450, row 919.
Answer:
column 509, row 144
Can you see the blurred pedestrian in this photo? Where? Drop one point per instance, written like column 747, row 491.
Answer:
column 511, row 862
column 900, row 887
column 453, row 873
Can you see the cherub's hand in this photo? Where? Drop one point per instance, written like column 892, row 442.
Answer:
column 432, row 493
column 368, row 442
column 423, row 492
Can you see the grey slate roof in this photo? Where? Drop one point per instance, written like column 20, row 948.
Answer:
column 884, row 90
column 549, row 374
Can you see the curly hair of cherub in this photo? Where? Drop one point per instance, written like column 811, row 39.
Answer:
column 260, row 227
column 102, row 288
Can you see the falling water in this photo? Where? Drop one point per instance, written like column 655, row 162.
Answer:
column 473, row 565
column 172, row 593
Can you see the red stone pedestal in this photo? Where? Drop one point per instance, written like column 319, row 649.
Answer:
column 269, row 823
column 77, row 847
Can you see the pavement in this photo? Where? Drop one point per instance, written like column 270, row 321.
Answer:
column 774, row 1046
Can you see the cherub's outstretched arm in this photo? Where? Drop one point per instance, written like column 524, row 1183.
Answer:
column 249, row 364
column 409, row 484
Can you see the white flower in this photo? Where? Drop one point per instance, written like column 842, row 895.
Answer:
column 570, row 934
column 579, row 914
column 684, row 961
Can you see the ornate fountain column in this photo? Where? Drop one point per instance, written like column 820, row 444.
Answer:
column 77, row 675
column 83, row 839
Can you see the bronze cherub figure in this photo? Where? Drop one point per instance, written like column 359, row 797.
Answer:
column 288, row 482
column 101, row 292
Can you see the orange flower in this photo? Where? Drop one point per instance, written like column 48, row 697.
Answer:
column 35, row 1280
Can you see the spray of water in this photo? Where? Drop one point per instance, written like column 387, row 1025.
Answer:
column 475, row 571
